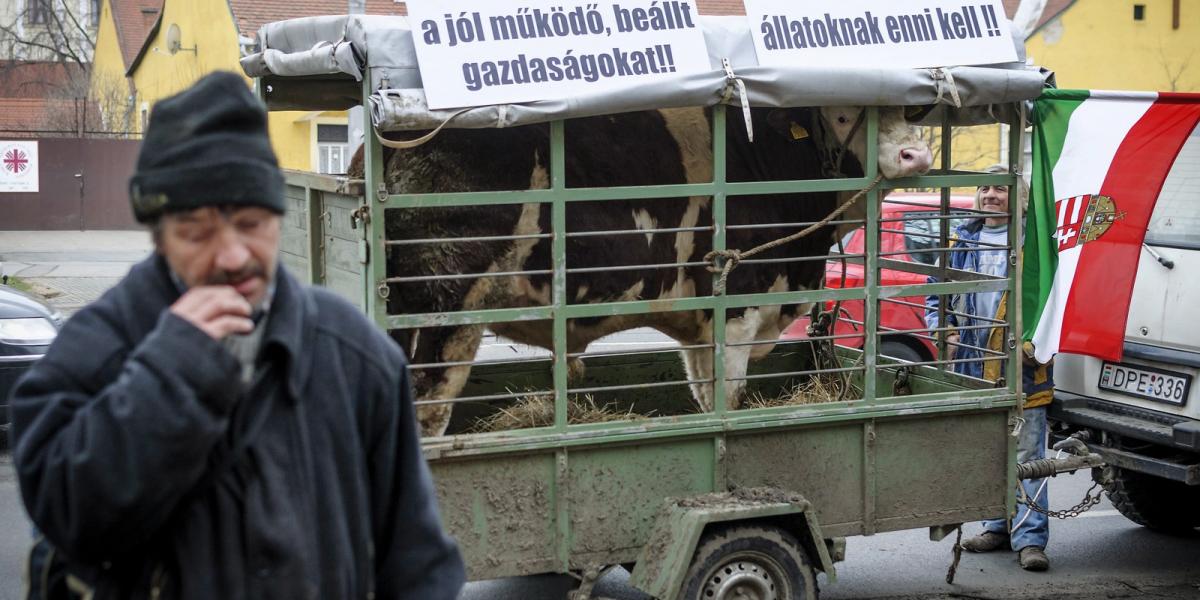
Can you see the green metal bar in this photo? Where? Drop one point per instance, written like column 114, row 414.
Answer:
column 316, row 233
column 375, row 231
column 547, row 438
column 472, row 317
column 944, row 233
column 938, row 181
column 558, row 250
column 1016, row 147
column 871, row 273
column 649, row 192
column 720, row 303
column 949, row 287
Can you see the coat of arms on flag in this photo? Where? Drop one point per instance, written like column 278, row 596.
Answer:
column 1083, row 219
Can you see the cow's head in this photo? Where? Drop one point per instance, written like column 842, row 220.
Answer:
column 902, row 152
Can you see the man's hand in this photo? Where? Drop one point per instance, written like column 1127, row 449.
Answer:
column 217, row 310
column 951, row 349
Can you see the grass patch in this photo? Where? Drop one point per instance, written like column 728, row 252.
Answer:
column 19, row 284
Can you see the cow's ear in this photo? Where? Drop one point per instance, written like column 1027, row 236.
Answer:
column 787, row 123
column 915, row 114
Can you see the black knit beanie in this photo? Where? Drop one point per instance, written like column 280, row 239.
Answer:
column 206, row 146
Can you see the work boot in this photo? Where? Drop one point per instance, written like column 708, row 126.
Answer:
column 986, row 542
column 1034, row 559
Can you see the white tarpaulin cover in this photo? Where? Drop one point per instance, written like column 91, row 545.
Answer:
column 318, row 63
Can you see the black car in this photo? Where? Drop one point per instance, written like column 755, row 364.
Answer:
column 27, row 327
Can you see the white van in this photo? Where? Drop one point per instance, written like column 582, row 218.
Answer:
column 1143, row 413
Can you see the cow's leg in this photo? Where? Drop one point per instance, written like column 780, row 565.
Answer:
column 436, row 345
column 697, row 364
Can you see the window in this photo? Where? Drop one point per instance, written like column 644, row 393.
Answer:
column 95, row 16
column 332, row 149
column 921, row 233
column 37, row 12
column 1139, row 12
column 1175, row 221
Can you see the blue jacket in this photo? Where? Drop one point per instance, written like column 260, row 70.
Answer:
column 119, row 427
column 1037, row 379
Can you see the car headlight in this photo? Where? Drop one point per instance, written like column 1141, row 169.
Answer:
column 27, row 332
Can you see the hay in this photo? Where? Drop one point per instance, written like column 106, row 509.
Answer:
column 537, row 410
column 815, row 390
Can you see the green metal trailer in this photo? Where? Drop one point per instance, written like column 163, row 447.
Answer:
column 753, row 501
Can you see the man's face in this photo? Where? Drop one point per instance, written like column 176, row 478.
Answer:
column 994, row 198
column 236, row 247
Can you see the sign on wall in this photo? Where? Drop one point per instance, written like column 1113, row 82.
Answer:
column 475, row 53
column 18, row 166
column 868, row 33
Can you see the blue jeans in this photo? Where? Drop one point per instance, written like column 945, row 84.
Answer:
column 1028, row 528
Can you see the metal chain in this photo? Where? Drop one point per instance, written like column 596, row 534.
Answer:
column 1084, row 505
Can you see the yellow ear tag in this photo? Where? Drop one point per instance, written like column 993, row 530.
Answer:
column 798, row 131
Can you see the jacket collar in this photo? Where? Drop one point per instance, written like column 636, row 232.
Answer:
column 291, row 328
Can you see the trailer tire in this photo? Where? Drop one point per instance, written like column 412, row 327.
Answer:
column 1153, row 502
column 900, row 350
column 750, row 561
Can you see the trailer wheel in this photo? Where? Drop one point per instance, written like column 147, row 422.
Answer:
column 900, row 350
column 1159, row 504
column 750, row 563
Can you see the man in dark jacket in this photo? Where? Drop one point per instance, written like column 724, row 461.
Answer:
column 210, row 428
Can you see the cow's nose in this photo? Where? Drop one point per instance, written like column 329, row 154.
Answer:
column 916, row 160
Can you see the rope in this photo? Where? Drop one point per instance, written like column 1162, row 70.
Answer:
column 406, row 144
column 957, row 551
column 733, row 257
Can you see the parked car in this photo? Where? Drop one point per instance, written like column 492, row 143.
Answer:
column 902, row 226
column 1142, row 414
column 27, row 327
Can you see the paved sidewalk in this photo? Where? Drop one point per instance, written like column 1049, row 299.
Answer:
column 71, row 268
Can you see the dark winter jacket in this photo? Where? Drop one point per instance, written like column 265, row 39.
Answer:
column 124, row 432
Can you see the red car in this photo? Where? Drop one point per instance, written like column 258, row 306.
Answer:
column 901, row 240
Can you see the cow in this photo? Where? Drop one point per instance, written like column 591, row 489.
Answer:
column 666, row 146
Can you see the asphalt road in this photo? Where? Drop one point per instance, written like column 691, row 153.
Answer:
column 1098, row 555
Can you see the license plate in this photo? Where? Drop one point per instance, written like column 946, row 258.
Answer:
column 1146, row 382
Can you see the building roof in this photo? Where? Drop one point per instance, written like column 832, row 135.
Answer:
column 37, row 79
column 250, row 15
column 133, row 20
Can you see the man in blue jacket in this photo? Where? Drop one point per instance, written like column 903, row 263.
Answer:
column 211, row 428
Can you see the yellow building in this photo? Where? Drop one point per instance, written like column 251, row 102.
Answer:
column 1151, row 45
column 191, row 38
column 1148, row 45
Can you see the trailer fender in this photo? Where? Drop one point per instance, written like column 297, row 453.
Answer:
column 664, row 560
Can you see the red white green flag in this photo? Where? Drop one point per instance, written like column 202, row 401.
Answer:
column 1099, row 162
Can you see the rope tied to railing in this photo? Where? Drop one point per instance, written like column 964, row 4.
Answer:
column 724, row 261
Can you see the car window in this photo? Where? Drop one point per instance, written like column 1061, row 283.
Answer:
column 1175, row 220
column 845, row 242
column 921, row 233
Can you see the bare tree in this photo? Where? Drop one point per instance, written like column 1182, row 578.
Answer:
column 1175, row 70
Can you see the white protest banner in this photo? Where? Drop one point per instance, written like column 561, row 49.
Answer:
column 18, row 166
column 475, row 53
column 868, row 33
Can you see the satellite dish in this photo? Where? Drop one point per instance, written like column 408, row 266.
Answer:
column 173, row 39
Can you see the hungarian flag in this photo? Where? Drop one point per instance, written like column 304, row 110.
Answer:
column 1099, row 162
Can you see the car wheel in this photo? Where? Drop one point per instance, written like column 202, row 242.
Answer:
column 901, row 351
column 1159, row 504
column 750, row 563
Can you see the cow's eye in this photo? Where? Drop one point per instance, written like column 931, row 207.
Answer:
column 842, row 119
